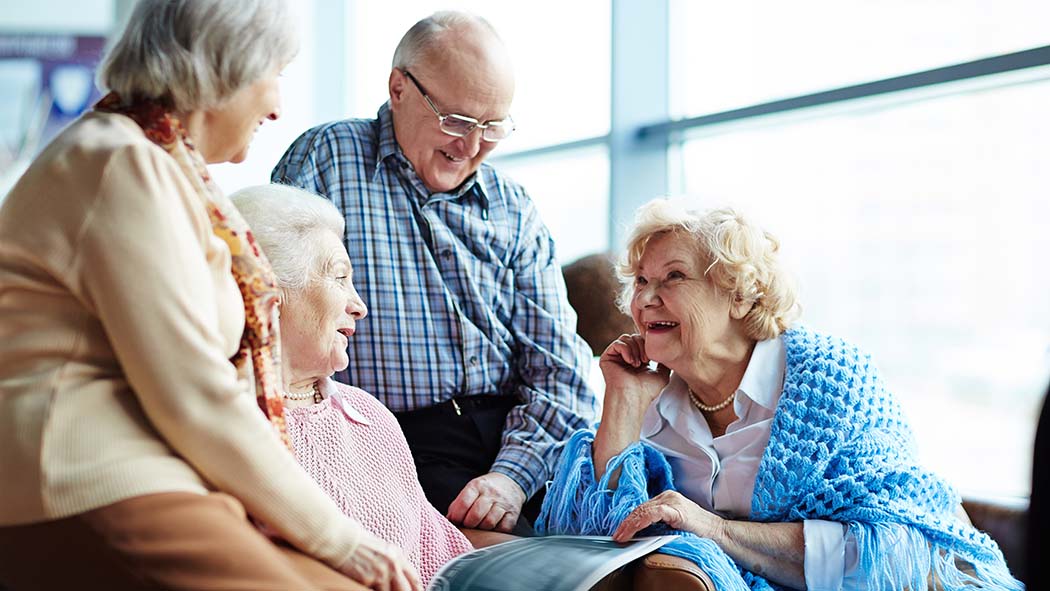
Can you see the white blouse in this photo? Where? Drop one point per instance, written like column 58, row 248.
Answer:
column 718, row 473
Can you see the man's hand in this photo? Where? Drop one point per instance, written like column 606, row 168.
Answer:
column 490, row 501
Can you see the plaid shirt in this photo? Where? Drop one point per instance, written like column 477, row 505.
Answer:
column 465, row 294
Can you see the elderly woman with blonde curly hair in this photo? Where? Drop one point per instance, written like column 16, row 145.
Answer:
column 777, row 452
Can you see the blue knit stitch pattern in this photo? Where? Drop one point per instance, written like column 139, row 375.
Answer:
column 839, row 450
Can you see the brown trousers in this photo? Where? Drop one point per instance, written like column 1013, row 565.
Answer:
column 161, row 541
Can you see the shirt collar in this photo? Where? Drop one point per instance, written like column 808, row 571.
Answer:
column 390, row 149
column 762, row 383
column 329, row 389
column 673, row 407
column 764, row 377
column 387, row 141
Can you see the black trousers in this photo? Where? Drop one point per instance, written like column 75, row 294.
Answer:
column 452, row 448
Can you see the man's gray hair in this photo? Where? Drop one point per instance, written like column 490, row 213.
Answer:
column 286, row 222
column 197, row 53
column 426, row 34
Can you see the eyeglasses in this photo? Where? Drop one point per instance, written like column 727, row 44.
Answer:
column 460, row 125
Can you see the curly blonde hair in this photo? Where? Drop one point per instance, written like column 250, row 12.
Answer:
column 739, row 257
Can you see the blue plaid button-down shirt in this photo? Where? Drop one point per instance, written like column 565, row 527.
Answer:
column 464, row 292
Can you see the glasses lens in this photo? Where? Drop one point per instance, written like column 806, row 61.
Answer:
column 458, row 125
column 498, row 130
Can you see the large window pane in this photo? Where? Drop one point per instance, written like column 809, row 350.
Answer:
column 571, row 191
column 919, row 231
column 560, row 52
column 733, row 54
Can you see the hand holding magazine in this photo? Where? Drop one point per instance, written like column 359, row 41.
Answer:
column 552, row 563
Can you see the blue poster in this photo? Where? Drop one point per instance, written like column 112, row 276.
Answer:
column 46, row 81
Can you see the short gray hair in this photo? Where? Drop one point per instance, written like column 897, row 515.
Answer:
column 740, row 258
column 286, row 222
column 197, row 53
column 426, row 35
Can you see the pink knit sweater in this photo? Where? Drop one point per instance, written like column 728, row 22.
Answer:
column 354, row 448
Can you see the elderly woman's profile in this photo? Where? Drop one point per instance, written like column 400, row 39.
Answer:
column 346, row 439
column 777, row 452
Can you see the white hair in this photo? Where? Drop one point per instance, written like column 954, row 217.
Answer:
column 197, row 53
column 286, row 222
column 740, row 258
column 427, row 34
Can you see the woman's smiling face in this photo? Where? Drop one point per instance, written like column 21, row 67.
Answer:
column 676, row 308
column 317, row 320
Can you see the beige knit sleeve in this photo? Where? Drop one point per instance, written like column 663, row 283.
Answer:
column 142, row 266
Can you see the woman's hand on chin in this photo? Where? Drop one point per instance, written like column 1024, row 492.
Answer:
column 628, row 377
column 678, row 512
column 630, row 388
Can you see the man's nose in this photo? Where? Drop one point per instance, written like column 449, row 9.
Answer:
column 470, row 144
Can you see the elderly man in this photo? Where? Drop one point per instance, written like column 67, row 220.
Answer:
column 471, row 341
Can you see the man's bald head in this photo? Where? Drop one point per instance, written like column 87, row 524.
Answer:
column 449, row 37
column 448, row 63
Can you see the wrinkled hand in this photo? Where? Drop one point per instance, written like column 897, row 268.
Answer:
column 625, row 367
column 490, row 501
column 382, row 566
column 676, row 511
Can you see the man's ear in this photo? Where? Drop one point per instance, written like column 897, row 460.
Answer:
column 396, row 86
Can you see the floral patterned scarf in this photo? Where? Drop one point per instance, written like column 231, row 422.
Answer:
column 259, row 350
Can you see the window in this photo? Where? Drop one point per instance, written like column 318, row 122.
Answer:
column 918, row 230
column 733, row 54
column 571, row 191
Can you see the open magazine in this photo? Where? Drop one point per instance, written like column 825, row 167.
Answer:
column 553, row 563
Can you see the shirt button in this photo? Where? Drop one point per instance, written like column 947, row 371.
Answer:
column 447, row 253
column 404, row 166
column 474, row 360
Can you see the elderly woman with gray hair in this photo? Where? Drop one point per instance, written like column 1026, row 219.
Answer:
column 777, row 452
column 141, row 420
column 346, row 439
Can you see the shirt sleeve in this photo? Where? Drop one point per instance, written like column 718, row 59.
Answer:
column 298, row 166
column 143, row 268
column 552, row 361
column 833, row 553
column 825, row 557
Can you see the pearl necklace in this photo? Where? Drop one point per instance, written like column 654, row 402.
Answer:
column 315, row 393
column 705, row 408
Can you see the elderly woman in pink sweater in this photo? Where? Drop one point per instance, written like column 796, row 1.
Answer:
column 346, row 439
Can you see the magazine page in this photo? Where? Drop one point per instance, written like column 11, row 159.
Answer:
column 552, row 563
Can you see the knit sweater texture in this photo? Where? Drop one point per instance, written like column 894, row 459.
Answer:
column 366, row 467
column 839, row 450
column 118, row 317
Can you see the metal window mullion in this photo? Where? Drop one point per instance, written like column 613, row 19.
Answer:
column 666, row 128
column 638, row 167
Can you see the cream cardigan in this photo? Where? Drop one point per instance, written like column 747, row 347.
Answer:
column 118, row 313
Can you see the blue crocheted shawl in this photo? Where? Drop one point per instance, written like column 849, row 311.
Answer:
column 839, row 450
